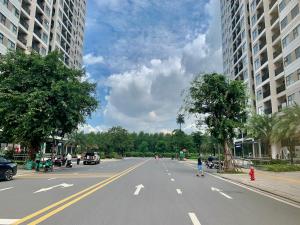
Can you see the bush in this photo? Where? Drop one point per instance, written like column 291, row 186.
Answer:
column 281, row 168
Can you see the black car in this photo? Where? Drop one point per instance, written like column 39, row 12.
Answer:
column 7, row 169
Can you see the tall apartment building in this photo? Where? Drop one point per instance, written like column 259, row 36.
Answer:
column 274, row 34
column 44, row 26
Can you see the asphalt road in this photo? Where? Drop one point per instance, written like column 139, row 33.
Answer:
column 137, row 192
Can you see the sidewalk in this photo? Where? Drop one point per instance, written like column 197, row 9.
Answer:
column 284, row 184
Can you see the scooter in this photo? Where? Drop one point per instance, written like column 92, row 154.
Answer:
column 69, row 164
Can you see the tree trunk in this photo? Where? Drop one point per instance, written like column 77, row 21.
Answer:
column 33, row 149
column 228, row 162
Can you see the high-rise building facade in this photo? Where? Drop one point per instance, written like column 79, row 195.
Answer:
column 44, row 26
column 274, row 51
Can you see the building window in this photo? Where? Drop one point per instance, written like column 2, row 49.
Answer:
column 291, row 99
column 282, row 5
column 43, row 51
column 257, row 64
column 289, row 80
column 14, row 28
column 11, row 45
column 5, row 2
column 295, row 11
column 297, row 52
column 284, row 23
column 47, row 10
column 295, row 33
column 1, row 38
column 255, row 34
column 287, row 60
column 17, row 13
column 258, row 79
column 259, row 95
column 45, row 37
column 256, row 49
column 284, row 42
column 2, row 19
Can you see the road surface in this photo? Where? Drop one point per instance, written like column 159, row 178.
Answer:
column 137, row 191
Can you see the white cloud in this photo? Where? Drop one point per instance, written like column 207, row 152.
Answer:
column 91, row 59
column 149, row 97
column 87, row 128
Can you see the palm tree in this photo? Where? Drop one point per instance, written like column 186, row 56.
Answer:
column 260, row 127
column 287, row 128
column 180, row 120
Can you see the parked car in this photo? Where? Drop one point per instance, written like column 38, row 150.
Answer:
column 91, row 158
column 8, row 169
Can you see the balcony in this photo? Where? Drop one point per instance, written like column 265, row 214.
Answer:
column 266, row 93
column 280, row 89
column 41, row 4
column 275, row 36
column 272, row 3
column 278, row 70
column 24, row 23
column 276, row 53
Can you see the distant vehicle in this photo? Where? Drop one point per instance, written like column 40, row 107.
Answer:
column 212, row 162
column 91, row 158
column 8, row 169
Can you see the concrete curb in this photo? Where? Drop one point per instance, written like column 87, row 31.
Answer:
column 260, row 189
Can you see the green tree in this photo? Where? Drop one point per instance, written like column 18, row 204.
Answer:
column 119, row 140
column 260, row 127
column 221, row 104
column 40, row 98
column 143, row 147
column 180, row 120
column 287, row 129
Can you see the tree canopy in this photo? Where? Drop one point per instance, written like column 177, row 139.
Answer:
column 221, row 104
column 41, row 97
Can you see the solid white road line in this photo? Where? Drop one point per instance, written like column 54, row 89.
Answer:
column 4, row 189
column 7, row 221
column 172, row 179
column 227, row 196
column 53, row 178
column 179, row 191
column 194, row 218
column 222, row 193
column 256, row 191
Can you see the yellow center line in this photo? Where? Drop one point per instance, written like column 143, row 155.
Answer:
column 35, row 214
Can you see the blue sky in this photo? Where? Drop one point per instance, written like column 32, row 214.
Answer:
column 143, row 54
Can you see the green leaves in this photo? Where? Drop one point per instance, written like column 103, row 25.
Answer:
column 221, row 102
column 41, row 97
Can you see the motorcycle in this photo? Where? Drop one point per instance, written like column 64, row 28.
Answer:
column 69, row 164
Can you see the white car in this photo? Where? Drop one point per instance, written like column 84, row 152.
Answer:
column 91, row 158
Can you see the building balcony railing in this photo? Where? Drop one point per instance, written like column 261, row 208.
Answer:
column 276, row 53
column 263, row 60
column 264, row 77
column 24, row 24
column 41, row 4
column 280, row 89
column 22, row 40
column 272, row 3
column 38, row 33
column 279, row 70
column 273, row 20
column 266, row 93
column 26, row 9
column 275, row 36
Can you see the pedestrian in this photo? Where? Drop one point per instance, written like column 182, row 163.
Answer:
column 38, row 160
column 200, row 167
column 78, row 159
column 69, row 159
